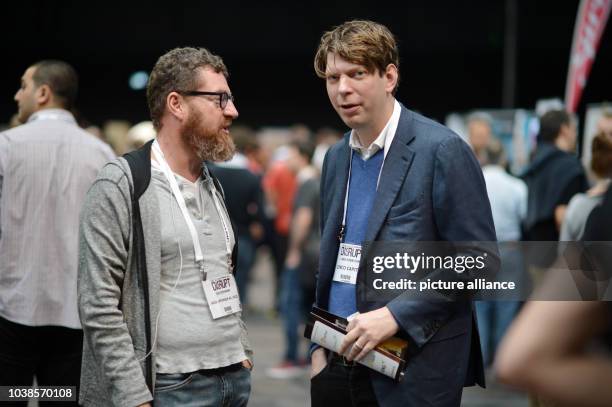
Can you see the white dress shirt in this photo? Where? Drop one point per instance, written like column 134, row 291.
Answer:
column 46, row 167
column 384, row 139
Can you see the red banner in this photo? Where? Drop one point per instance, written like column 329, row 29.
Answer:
column 590, row 24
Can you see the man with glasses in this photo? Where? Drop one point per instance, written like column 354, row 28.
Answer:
column 157, row 297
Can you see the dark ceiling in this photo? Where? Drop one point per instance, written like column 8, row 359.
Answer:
column 451, row 52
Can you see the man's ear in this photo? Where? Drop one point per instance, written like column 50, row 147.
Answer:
column 44, row 96
column 175, row 105
column 391, row 76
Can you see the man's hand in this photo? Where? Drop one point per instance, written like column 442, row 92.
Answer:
column 318, row 362
column 366, row 331
column 145, row 405
column 247, row 364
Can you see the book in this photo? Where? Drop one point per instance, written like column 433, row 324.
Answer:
column 328, row 330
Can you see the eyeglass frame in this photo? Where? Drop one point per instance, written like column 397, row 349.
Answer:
column 224, row 97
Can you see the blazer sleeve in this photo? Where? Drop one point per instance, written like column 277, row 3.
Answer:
column 462, row 214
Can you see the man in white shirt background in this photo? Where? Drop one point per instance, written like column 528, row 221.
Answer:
column 46, row 166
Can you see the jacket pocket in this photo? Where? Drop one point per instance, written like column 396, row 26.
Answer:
column 404, row 209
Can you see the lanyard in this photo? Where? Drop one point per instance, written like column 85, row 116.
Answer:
column 346, row 194
column 199, row 258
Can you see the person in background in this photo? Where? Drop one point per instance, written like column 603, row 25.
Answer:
column 545, row 354
column 480, row 134
column 547, row 349
column 302, row 257
column 140, row 134
column 247, row 144
column 604, row 124
column 47, row 164
column 244, row 199
column 508, row 198
column 554, row 176
column 581, row 204
column 280, row 185
column 325, row 137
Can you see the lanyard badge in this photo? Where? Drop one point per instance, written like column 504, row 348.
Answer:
column 222, row 296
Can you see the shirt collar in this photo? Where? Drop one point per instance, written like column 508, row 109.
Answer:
column 384, row 139
column 52, row 114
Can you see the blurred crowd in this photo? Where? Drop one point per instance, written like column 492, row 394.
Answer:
column 552, row 342
column 272, row 187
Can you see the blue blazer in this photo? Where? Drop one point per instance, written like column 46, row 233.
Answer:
column 431, row 189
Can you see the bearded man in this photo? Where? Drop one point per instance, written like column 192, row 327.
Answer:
column 157, row 297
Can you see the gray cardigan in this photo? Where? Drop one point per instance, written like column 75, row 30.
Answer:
column 111, row 298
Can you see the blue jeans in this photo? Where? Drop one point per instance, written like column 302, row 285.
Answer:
column 230, row 386
column 291, row 309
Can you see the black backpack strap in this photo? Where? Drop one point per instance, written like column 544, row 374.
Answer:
column 140, row 167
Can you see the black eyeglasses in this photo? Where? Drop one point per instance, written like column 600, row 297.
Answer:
column 224, row 97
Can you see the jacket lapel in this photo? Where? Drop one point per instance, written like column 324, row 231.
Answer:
column 341, row 174
column 329, row 241
column 396, row 165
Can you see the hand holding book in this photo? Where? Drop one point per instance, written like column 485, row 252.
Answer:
column 330, row 331
column 366, row 331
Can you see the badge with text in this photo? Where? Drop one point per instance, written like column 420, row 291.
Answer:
column 347, row 263
column 222, row 296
